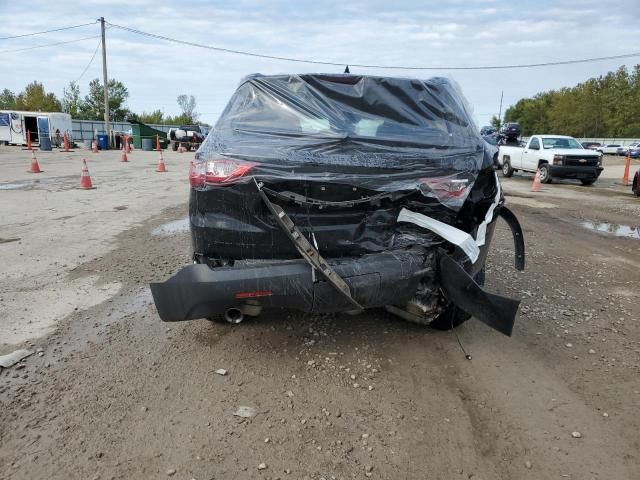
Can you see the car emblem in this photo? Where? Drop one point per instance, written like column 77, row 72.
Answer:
column 583, row 160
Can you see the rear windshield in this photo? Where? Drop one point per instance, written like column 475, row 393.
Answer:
column 374, row 113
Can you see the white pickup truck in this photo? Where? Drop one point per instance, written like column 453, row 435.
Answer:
column 556, row 156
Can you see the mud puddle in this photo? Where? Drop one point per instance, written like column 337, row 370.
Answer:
column 614, row 229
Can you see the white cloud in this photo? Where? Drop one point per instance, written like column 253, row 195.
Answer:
column 372, row 32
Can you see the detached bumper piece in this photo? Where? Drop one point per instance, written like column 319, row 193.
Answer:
column 496, row 311
column 198, row 291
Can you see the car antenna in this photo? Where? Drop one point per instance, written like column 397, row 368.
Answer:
column 346, row 69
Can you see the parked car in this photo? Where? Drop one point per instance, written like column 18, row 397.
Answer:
column 338, row 193
column 488, row 130
column 635, row 188
column 611, row 149
column 556, row 156
column 510, row 130
column 591, row 145
column 634, row 152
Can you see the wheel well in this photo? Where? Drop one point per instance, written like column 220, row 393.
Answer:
column 506, row 157
column 542, row 162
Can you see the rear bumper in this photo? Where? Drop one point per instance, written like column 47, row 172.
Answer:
column 199, row 291
column 560, row 171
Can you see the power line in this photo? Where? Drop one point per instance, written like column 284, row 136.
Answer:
column 388, row 67
column 90, row 61
column 49, row 45
column 48, row 31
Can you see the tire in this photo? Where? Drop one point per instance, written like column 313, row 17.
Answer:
column 453, row 317
column 545, row 175
column 586, row 182
column 507, row 171
column 174, row 146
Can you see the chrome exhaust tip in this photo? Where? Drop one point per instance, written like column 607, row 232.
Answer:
column 234, row 315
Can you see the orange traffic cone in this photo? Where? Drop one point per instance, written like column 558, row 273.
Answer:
column 29, row 147
column 94, row 146
column 35, row 168
column 180, row 149
column 85, row 179
column 127, row 147
column 65, row 141
column 625, row 177
column 124, row 156
column 537, row 185
column 158, row 143
column 161, row 167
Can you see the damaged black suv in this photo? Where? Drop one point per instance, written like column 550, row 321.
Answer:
column 337, row 193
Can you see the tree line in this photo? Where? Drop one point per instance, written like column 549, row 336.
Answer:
column 606, row 106
column 91, row 106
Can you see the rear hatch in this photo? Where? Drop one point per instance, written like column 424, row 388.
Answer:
column 342, row 154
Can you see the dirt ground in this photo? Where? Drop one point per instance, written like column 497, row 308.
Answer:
column 114, row 393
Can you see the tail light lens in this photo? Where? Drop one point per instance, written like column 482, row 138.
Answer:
column 217, row 171
column 445, row 188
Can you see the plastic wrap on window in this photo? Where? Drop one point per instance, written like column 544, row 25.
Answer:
column 378, row 133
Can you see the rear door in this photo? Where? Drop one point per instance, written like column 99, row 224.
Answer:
column 43, row 127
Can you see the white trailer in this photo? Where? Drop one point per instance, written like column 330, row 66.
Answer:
column 14, row 126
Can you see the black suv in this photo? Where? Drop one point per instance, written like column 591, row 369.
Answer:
column 510, row 130
column 337, row 193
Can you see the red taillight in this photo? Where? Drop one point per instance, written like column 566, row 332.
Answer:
column 217, row 171
column 445, row 188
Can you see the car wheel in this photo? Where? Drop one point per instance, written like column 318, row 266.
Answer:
column 174, row 146
column 507, row 171
column 453, row 316
column 588, row 181
column 545, row 176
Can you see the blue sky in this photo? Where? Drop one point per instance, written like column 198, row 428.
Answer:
column 373, row 32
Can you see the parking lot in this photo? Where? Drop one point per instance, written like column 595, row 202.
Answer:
column 112, row 392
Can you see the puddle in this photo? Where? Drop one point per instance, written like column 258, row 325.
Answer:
column 613, row 229
column 171, row 228
column 59, row 183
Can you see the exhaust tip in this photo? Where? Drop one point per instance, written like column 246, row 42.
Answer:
column 234, row 315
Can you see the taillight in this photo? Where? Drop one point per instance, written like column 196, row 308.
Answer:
column 445, row 188
column 217, row 171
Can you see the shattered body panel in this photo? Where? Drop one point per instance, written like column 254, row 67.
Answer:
column 329, row 193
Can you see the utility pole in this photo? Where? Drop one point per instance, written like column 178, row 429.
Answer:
column 500, row 111
column 106, row 82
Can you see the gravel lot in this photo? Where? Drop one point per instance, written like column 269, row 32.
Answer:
column 112, row 392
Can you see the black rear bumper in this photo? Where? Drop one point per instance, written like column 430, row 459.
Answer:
column 199, row 291
column 377, row 280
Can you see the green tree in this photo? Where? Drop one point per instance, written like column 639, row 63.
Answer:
column 7, row 100
column 495, row 121
column 187, row 104
column 92, row 108
column 157, row 116
column 35, row 99
column 606, row 106
column 71, row 102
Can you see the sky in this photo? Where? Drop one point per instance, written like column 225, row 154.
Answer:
column 426, row 33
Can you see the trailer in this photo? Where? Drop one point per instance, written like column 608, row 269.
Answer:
column 16, row 125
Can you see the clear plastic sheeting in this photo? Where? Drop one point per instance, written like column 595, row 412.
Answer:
column 378, row 133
